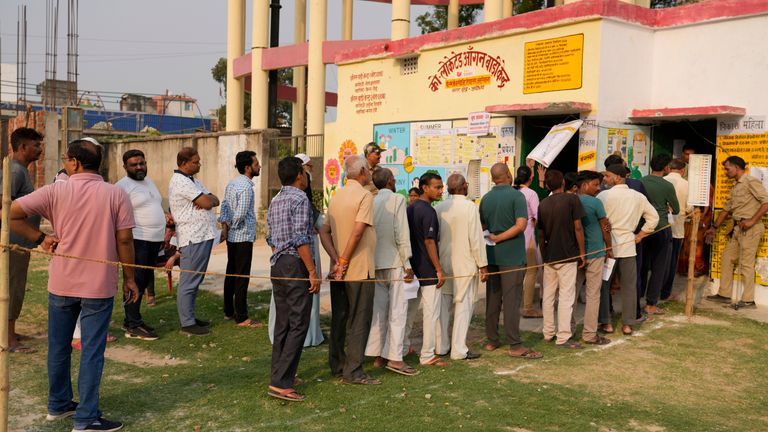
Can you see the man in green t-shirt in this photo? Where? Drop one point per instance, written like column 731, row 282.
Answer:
column 504, row 215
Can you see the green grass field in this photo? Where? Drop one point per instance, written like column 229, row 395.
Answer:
column 671, row 376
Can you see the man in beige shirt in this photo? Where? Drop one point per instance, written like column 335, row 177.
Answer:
column 462, row 253
column 350, row 240
column 675, row 176
column 747, row 203
column 393, row 265
column 624, row 208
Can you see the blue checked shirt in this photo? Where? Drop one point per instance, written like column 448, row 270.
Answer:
column 289, row 219
column 237, row 210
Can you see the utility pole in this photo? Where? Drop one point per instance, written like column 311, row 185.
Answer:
column 274, row 41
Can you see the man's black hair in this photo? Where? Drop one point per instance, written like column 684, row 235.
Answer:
column 131, row 154
column 288, row 169
column 244, row 159
column 24, row 134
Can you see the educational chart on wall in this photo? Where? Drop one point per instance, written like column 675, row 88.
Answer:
column 748, row 139
column 413, row 149
column 630, row 141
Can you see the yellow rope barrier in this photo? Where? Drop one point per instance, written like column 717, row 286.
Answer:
column 18, row 248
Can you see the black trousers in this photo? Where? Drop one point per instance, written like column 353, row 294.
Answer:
column 293, row 306
column 239, row 257
column 145, row 253
column 351, row 313
column 504, row 291
column 657, row 249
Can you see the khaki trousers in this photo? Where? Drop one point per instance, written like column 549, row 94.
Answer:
column 560, row 282
column 531, row 274
column 741, row 249
column 390, row 310
column 593, row 273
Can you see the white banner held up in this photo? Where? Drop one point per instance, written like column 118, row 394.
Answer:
column 552, row 144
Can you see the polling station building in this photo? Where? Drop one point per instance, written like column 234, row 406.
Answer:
column 619, row 77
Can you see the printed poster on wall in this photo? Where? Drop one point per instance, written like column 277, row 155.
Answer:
column 588, row 145
column 630, row 141
column 395, row 138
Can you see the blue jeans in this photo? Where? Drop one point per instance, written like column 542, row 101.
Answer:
column 94, row 322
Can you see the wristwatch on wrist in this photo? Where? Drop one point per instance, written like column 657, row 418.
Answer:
column 40, row 239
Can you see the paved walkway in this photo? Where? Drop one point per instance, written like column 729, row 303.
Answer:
column 260, row 267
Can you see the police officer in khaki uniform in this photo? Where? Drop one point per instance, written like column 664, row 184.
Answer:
column 747, row 203
column 372, row 153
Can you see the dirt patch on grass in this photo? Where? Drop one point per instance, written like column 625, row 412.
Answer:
column 696, row 319
column 138, row 357
column 26, row 411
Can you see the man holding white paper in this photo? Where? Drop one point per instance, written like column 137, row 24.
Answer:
column 597, row 235
column 392, row 259
column 462, row 253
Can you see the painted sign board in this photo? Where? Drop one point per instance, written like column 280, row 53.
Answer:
column 553, row 64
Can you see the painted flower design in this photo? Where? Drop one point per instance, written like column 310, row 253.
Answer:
column 332, row 171
column 348, row 148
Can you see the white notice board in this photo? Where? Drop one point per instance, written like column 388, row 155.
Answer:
column 699, row 170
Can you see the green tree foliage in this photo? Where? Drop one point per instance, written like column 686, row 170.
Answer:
column 523, row 6
column 437, row 18
column 659, row 4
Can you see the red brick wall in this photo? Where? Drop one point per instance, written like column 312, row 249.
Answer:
column 35, row 120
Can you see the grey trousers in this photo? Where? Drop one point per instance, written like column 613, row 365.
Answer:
column 628, row 281
column 195, row 257
column 504, row 290
column 351, row 314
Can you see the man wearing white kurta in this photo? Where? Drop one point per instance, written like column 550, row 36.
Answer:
column 462, row 253
column 393, row 253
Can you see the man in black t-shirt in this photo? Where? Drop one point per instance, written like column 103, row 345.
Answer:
column 561, row 239
column 425, row 235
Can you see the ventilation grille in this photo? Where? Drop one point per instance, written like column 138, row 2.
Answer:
column 409, row 65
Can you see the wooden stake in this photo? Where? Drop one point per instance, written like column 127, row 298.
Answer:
column 5, row 234
column 692, row 263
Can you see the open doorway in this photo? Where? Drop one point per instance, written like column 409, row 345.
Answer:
column 534, row 129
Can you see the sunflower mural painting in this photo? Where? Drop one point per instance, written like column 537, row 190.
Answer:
column 332, row 176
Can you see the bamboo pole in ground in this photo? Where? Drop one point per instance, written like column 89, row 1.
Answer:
column 691, row 263
column 5, row 231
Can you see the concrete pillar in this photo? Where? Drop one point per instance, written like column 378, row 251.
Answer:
column 346, row 20
column 506, row 9
column 492, row 10
column 235, row 48
column 453, row 14
column 401, row 19
column 259, row 77
column 316, row 83
column 299, row 78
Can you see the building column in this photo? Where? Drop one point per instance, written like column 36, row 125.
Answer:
column 401, row 19
column 235, row 49
column 453, row 14
column 299, row 73
column 346, row 20
column 492, row 10
column 506, row 9
column 259, row 77
column 316, row 83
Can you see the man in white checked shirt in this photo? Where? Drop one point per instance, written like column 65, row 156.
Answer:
column 238, row 220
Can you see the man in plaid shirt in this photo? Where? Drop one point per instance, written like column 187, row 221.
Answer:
column 290, row 235
column 238, row 220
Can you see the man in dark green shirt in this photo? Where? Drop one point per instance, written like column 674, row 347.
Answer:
column 504, row 214
column 657, row 248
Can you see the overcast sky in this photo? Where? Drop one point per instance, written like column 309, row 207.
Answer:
column 148, row 46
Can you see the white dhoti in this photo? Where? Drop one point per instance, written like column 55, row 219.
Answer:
column 462, row 317
column 390, row 313
column 430, row 304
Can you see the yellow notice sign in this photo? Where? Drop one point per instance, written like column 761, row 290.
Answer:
column 553, row 64
column 753, row 148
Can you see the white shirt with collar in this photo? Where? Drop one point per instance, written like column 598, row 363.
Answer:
column 624, row 208
column 681, row 190
column 193, row 224
column 462, row 246
column 393, row 239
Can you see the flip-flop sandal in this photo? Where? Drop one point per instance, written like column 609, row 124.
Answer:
column 627, row 333
column 151, row 302
column 289, row 395
column 570, row 345
column 111, row 338
column 250, row 324
column 528, row 354
column 599, row 340
column 658, row 311
column 491, row 346
column 362, row 381
column 602, row 329
column 404, row 370
column 436, row 361
column 21, row 349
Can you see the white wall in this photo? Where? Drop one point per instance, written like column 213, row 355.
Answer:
column 8, row 84
column 721, row 63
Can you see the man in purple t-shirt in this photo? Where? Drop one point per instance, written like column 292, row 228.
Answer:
column 92, row 219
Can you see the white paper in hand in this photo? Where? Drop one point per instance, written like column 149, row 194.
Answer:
column 608, row 268
column 411, row 289
column 488, row 241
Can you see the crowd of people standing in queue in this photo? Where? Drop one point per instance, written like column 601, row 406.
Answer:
column 389, row 258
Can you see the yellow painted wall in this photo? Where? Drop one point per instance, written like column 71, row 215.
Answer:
column 409, row 98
